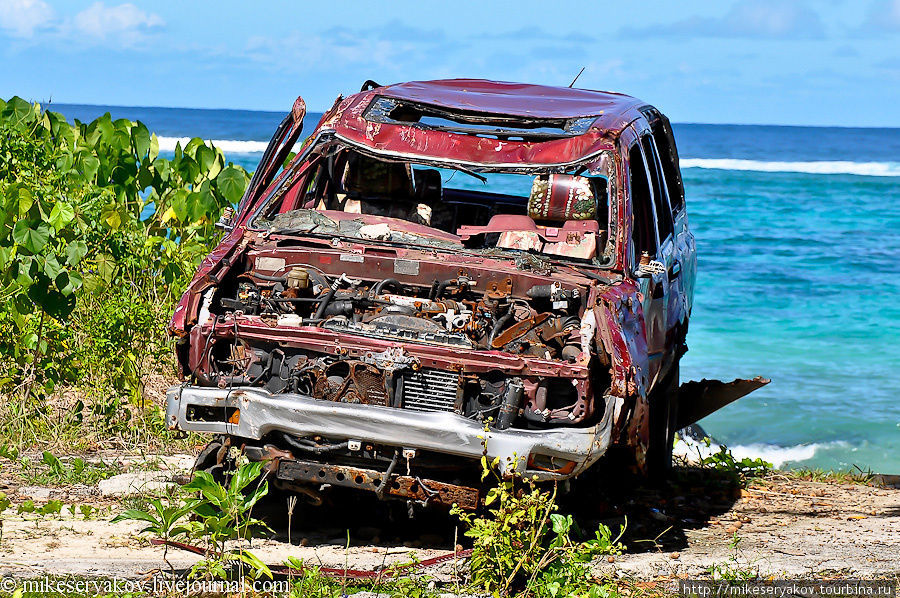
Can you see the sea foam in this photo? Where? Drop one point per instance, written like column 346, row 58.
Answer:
column 891, row 169
column 692, row 450
column 167, row 144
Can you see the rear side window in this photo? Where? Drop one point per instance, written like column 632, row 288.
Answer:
column 643, row 233
column 664, row 221
column 668, row 155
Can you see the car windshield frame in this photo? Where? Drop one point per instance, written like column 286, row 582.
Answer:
column 326, row 142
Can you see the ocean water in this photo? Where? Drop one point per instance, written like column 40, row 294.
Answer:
column 798, row 239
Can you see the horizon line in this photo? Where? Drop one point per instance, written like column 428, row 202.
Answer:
column 279, row 112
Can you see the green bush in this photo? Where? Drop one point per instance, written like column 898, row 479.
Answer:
column 98, row 237
column 523, row 547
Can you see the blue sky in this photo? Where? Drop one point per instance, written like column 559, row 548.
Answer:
column 833, row 62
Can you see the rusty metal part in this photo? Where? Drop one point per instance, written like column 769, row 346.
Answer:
column 313, row 497
column 409, row 487
column 518, row 330
column 696, row 400
column 351, row 381
column 272, row 456
column 499, row 289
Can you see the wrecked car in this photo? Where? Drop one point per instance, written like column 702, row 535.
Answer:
column 448, row 270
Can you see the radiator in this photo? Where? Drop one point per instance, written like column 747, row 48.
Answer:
column 430, row 390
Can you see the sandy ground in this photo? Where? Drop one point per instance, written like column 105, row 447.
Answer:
column 777, row 527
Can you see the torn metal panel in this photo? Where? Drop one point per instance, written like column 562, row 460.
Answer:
column 696, row 400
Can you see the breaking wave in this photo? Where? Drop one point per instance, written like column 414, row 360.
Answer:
column 891, row 169
column 167, row 144
column 692, row 450
column 882, row 169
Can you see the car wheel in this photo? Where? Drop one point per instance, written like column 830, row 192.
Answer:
column 663, row 420
column 212, row 459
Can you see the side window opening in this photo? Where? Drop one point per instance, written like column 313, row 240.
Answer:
column 664, row 222
column 668, row 155
column 643, row 233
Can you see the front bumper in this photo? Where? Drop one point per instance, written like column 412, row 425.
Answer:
column 573, row 449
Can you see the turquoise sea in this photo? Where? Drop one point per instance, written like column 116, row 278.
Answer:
column 798, row 238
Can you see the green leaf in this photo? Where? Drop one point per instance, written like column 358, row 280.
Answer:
column 561, row 523
column 120, row 140
column 106, row 266
column 88, row 165
column 188, row 169
column 258, row 567
column 190, row 149
column 52, row 267
column 51, row 300
column 61, row 215
column 246, row 474
column 154, row 147
column 75, row 251
column 18, row 112
column 231, row 183
column 163, row 168
column 145, row 176
column 68, row 281
column 23, row 305
column 105, row 128
column 19, row 198
column 202, row 206
column 180, row 204
column 135, row 515
column 24, row 269
column 33, row 239
column 6, row 256
column 111, row 217
column 205, row 157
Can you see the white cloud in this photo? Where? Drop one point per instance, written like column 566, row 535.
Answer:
column 101, row 22
column 773, row 19
column 121, row 24
column 22, row 17
column 884, row 15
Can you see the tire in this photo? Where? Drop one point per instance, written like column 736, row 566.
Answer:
column 663, row 421
column 209, row 461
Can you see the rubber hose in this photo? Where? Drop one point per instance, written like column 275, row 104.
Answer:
column 499, row 326
column 379, row 492
column 266, row 277
column 387, row 282
column 314, row 449
column 441, row 288
column 321, row 310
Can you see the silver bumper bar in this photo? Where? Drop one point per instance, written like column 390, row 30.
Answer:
column 262, row 412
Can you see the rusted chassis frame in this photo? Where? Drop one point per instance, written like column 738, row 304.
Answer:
column 427, row 492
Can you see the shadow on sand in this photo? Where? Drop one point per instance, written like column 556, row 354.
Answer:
column 655, row 515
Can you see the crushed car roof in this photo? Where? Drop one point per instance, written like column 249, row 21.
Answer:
column 480, row 122
column 520, row 99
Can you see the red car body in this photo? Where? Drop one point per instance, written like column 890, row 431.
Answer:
column 445, row 270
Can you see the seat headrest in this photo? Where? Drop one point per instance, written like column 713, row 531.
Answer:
column 428, row 185
column 373, row 178
column 562, row 197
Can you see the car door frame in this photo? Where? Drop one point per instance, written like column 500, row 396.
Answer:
column 653, row 286
column 673, row 250
column 682, row 285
